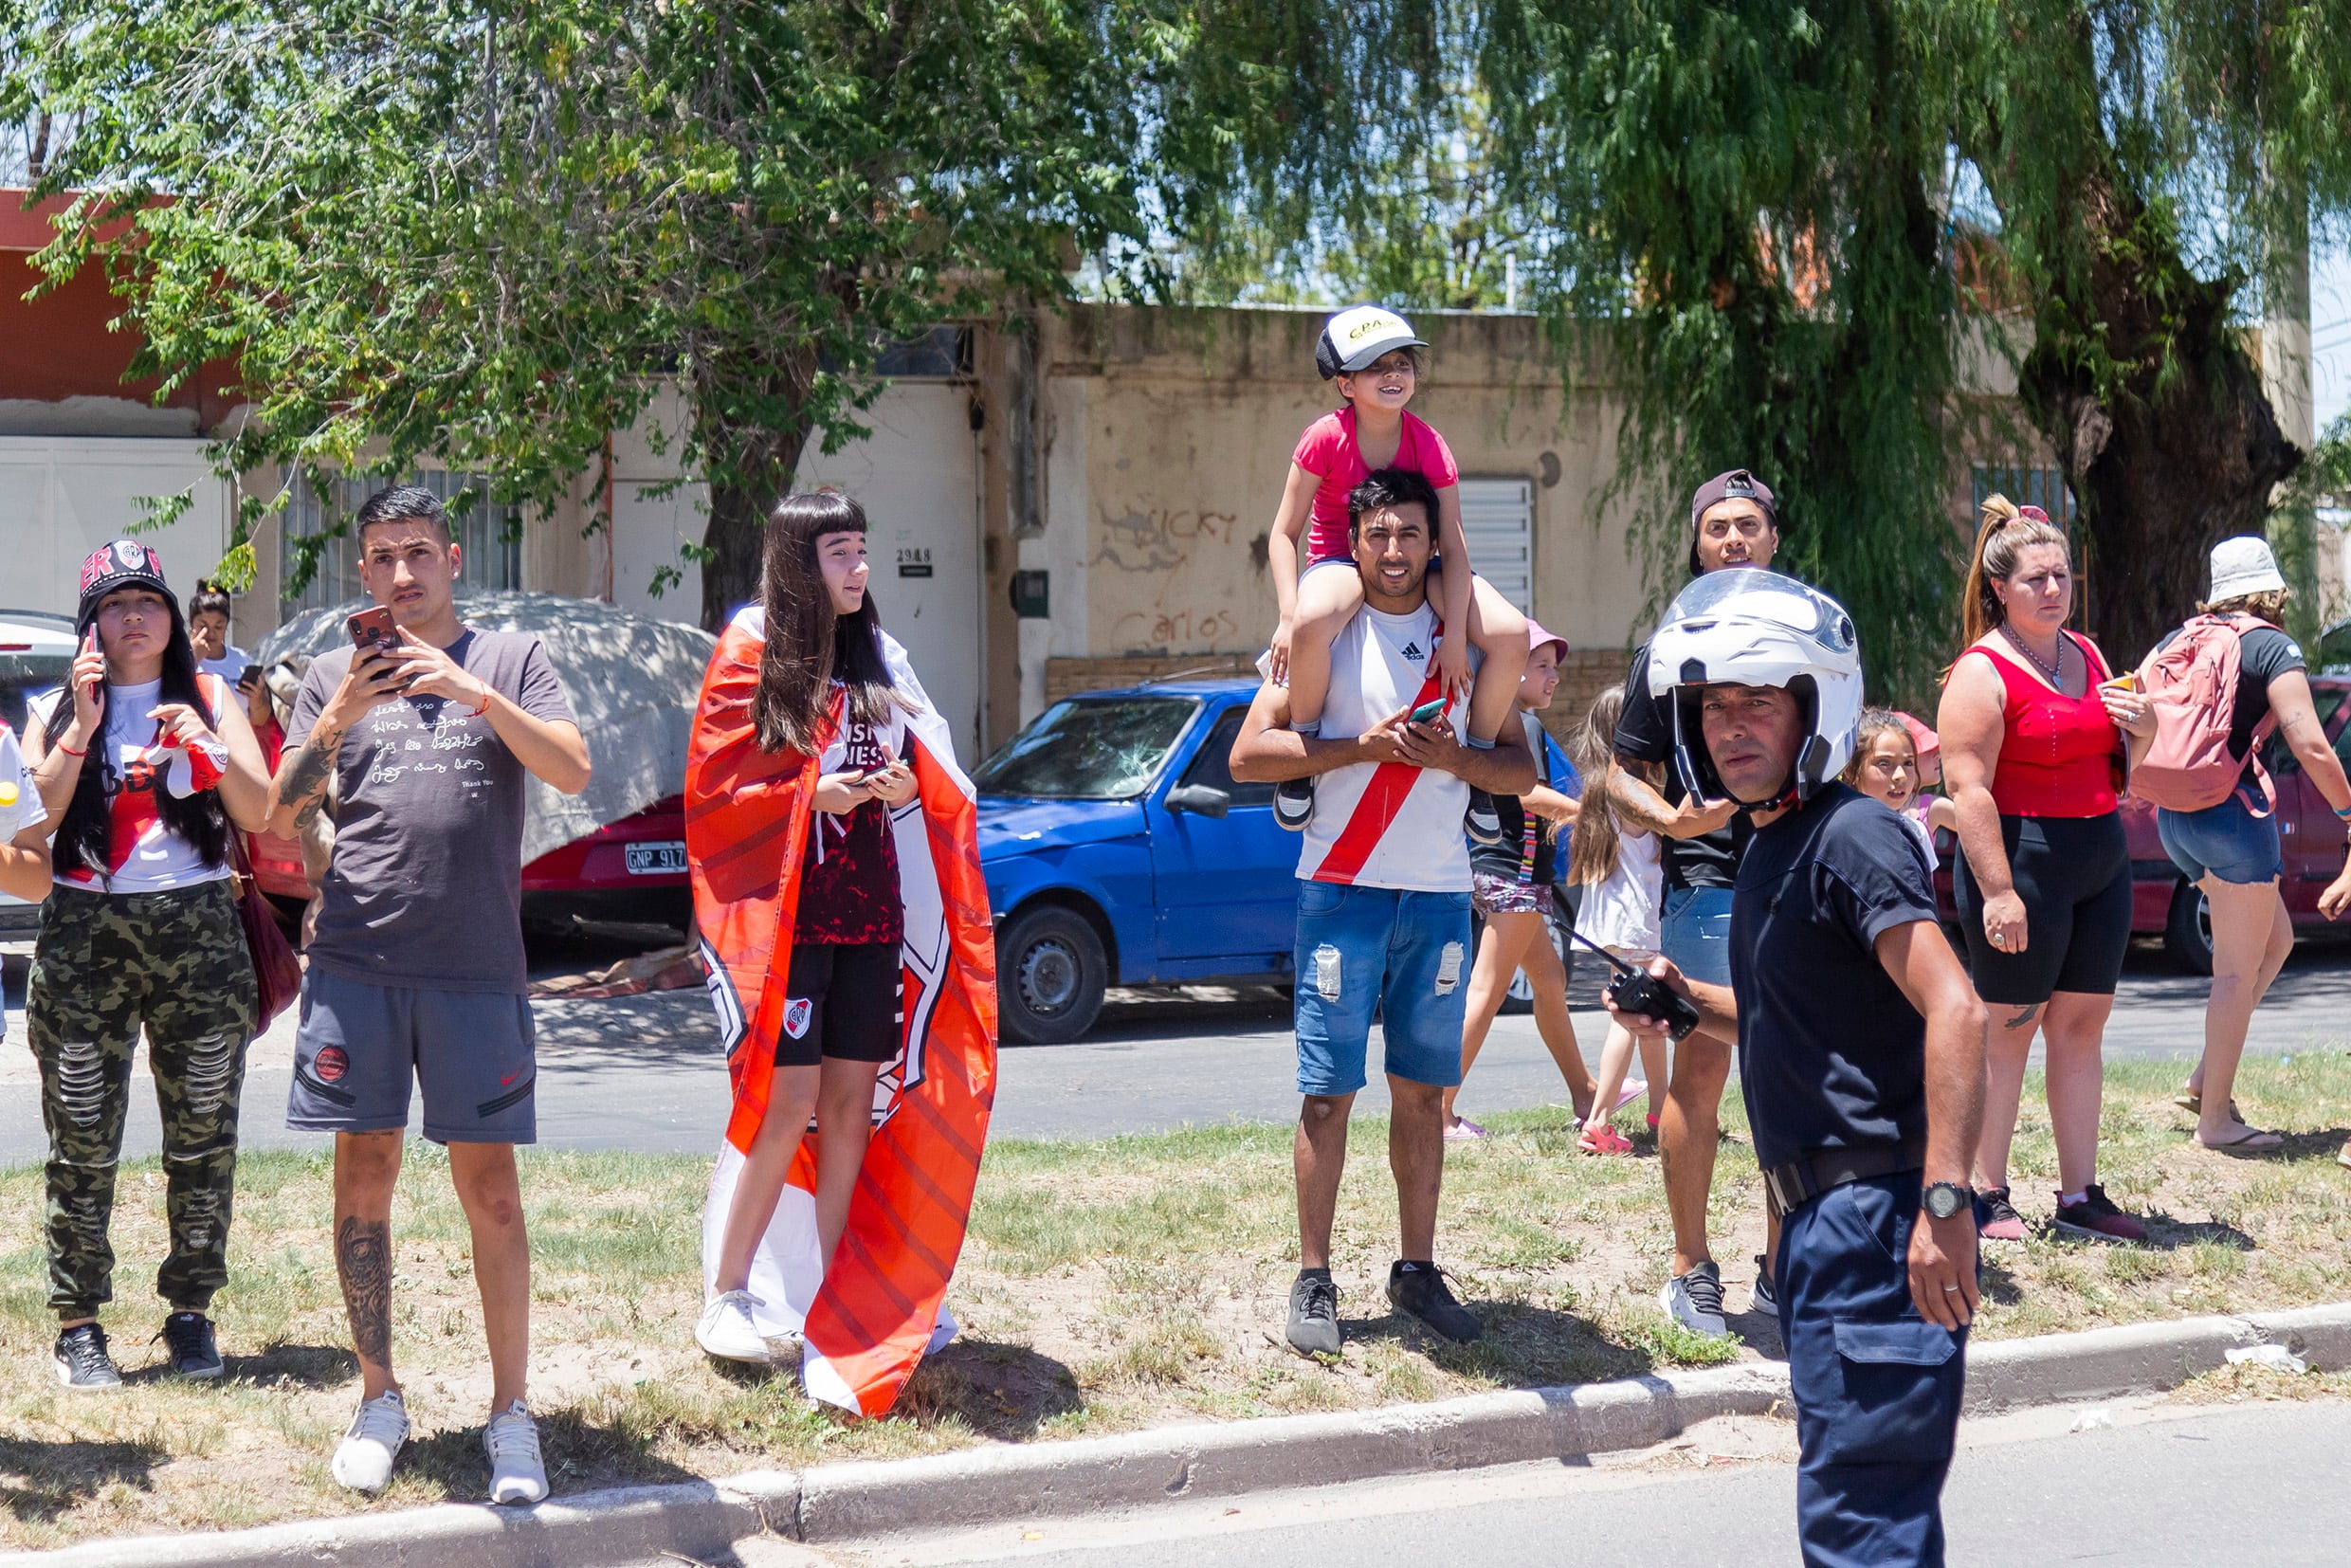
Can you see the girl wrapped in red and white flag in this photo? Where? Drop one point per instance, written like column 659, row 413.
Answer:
column 840, row 906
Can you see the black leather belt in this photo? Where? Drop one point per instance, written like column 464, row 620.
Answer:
column 1808, row 1176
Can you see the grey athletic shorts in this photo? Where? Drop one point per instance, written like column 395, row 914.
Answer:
column 474, row 1051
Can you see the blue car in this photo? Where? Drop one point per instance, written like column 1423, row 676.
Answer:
column 1120, row 850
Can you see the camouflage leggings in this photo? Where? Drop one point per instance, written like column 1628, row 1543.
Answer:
column 104, row 964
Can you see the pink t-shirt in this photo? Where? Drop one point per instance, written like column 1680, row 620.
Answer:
column 1329, row 452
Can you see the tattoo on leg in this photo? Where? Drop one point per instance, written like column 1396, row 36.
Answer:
column 363, row 1258
column 2026, row 1016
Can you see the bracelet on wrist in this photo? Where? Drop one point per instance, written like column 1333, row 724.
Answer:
column 71, row 752
column 2344, row 813
column 485, row 701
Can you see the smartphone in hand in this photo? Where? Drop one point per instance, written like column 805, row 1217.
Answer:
column 372, row 628
column 1427, row 713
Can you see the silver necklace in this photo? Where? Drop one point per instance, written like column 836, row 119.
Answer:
column 2056, row 673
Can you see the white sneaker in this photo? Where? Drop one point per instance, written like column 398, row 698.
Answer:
column 517, row 1472
column 363, row 1458
column 727, row 1332
column 1695, row 1300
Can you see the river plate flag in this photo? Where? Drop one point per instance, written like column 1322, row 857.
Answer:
column 867, row 1323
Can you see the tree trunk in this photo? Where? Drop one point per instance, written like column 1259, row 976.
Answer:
column 750, row 469
column 2180, row 449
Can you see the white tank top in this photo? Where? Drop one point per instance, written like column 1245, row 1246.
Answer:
column 1386, row 824
column 1620, row 911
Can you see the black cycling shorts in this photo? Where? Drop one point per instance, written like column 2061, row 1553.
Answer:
column 841, row 1001
column 2073, row 873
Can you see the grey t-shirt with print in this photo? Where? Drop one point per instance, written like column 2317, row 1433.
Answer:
column 425, row 885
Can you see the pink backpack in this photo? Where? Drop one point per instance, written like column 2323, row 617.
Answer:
column 2193, row 686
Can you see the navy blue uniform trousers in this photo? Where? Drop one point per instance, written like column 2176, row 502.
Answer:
column 1877, row 1386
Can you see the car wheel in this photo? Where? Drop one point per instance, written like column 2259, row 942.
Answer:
column 2188, row 929
column 1050, row 975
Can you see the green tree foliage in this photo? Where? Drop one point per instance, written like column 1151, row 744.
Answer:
column 1785, row 228
column 488, row 234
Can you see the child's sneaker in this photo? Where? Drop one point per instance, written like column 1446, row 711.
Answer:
column 1293, row 804
column 1482, row 820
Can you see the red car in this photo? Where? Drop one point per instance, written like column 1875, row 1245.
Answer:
column 2166, row 904
column 632, row 872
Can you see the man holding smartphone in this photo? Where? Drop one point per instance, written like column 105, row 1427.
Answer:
column 1383, row 901
column 426, row 727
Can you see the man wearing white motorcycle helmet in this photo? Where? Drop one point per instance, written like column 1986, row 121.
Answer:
column 1864, row 1113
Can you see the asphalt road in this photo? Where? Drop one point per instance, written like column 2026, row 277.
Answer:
column 644, row 1072
column 2254, row 1484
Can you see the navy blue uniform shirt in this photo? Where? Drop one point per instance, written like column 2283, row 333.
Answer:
column 1831, row 1053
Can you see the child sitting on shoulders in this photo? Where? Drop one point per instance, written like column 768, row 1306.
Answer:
column 1374, row 356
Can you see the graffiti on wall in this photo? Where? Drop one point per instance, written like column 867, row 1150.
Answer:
column 1200, row 578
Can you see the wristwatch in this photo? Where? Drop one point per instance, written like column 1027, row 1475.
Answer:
column 1946, row 1199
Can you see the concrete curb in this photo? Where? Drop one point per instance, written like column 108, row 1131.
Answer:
column 834, row 1503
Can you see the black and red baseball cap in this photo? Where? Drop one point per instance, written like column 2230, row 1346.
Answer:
column 117, row 565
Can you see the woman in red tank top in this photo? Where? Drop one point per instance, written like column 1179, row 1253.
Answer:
column 2035, row 746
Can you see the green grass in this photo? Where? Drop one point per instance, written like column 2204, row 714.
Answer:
column 1107, row 1286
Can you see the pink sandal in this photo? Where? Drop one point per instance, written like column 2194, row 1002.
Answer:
column 1601, row 1138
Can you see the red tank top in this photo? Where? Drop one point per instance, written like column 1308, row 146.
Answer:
column 2056, row 752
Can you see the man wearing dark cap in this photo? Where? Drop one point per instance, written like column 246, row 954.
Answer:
column 1734, row 522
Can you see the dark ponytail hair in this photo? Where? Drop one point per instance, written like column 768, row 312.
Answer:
column 87, row 831
column 809, row 645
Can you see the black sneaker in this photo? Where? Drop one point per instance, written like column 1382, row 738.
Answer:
column 1418, row 1290
column 1482, row 819
column 82, row 1358
column 187, row 1340
column 2096, row 1218
column 1761, row 1298
column 1313, row 1313
column 1293, row 804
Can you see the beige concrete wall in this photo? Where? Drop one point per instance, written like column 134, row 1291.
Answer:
column 1188, row 419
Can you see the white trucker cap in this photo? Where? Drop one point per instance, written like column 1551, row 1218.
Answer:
column 1358, row 335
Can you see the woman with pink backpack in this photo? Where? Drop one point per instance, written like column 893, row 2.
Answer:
column 2220, row 685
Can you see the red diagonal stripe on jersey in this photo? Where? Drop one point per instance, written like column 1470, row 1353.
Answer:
column 1383, row 797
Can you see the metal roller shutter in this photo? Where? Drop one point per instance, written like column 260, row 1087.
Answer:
column 1498, row 520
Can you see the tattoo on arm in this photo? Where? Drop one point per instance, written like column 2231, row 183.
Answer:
column 363, row 1258
column 306, row 775
column 2021, row 1019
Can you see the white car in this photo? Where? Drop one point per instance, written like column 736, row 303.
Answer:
column 36, row 650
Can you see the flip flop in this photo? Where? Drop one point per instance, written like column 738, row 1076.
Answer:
column 1626, row 1093
column 2190, row 1100
column 2248, row 1144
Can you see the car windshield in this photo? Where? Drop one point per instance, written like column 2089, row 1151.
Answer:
column 1088, row 748
column 25, row 677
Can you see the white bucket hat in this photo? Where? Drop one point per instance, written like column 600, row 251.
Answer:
column 2244, row 565
column 1355, row 336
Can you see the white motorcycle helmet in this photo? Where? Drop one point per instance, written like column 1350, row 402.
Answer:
column 1752, row 627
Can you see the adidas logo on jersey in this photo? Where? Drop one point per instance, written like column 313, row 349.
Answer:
column 1411, row 651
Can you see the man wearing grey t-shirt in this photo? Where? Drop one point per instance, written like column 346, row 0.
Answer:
column 418, row 966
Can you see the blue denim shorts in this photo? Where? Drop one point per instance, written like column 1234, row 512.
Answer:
column 1404, row 956
column 1694, row 928
column 2227, row 840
